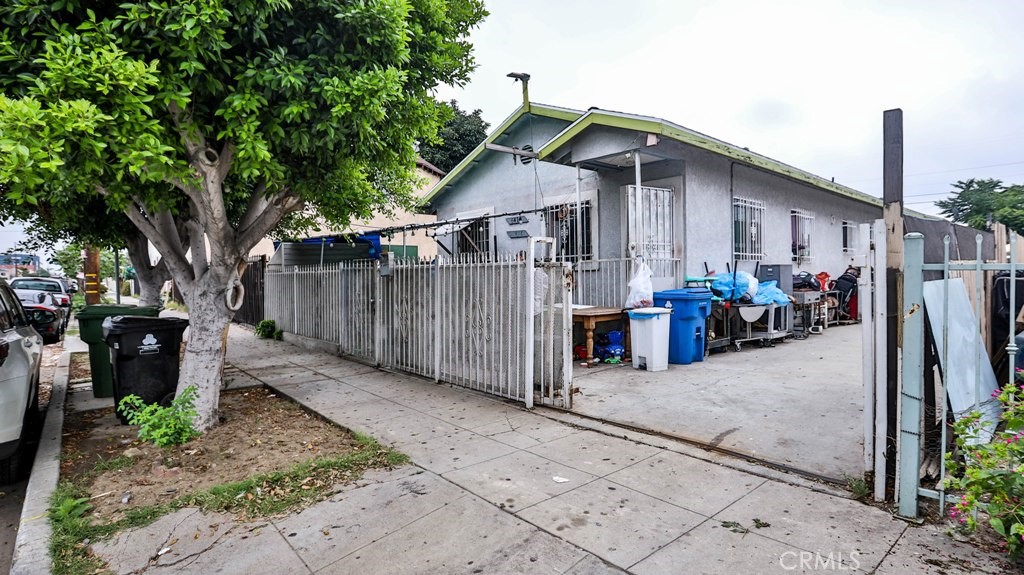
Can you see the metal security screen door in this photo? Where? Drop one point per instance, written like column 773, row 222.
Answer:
column 649, row 221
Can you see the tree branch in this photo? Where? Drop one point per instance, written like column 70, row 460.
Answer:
column 283, row 203
column 257, row 203
column 197, row 241
column 173, row 257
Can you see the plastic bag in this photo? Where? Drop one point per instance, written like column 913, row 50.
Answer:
column 750, row 281
column 769, row 292
column 641, row 289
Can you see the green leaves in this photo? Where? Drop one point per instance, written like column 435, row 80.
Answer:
column 990, row 476
column 163, row 426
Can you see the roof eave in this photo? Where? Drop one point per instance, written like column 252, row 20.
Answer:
column 531, row 108
column 669, row 130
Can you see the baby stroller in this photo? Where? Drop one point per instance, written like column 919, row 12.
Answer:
column 846, row 286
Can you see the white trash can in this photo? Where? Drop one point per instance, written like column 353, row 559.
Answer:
column 648, row 327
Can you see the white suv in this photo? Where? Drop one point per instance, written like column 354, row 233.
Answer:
column 21, row 349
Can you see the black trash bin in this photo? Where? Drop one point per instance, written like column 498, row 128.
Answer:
column 144, row 357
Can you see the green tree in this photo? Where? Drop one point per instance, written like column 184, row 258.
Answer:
column 69, row 259
column 973, row 202
column 88, row 220
column 461, row 133
column 979, row 202
column 217, row 120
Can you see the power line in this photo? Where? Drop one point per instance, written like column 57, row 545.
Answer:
column 943, row 171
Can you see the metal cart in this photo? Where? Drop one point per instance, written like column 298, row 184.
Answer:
column 777, row 321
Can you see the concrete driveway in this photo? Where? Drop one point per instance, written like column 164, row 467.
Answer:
column 798, row 404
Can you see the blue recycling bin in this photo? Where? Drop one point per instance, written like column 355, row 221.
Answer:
column 690, row 310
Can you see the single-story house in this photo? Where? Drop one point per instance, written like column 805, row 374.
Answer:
column 398, row 228
column 703, row 204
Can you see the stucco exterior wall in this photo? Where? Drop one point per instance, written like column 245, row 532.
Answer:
column 704, row 185
column 500, row 185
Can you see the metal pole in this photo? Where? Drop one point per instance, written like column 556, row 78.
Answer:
column 117, row 276
column 909, row 445
column 579, row 218
column 945, row 370
column 529, row 347
column 435, row 270
column 1011, row 347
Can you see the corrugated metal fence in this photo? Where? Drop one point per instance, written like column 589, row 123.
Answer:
column 469, row 321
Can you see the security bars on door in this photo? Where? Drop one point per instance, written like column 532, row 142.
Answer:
column 650, row 220
column 460, row 320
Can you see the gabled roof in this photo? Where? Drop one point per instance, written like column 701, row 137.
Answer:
column 530, row 108
column 425, row 165
column 652, row 125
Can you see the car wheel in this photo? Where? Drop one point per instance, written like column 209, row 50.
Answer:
column 11, row 467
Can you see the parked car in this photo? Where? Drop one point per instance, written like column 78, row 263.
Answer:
column 44, row 313
column 51, row 285
column 47, row 320
column 21, row 349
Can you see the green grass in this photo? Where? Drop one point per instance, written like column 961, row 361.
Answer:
column 858, row 487
column 113, row 464
column 258, row 496
column 175, row 306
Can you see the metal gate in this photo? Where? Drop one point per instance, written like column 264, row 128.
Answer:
column 496, row 324
column 251, row 312
column 967, row 379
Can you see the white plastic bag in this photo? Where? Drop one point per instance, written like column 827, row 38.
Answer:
column 641, row 289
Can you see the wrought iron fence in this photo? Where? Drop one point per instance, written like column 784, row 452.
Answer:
column 955, row 316
column 605, row 283
column 251, row 312
column 468, row 320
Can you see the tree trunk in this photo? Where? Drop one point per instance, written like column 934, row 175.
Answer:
column 209, row 319
column 151, row 276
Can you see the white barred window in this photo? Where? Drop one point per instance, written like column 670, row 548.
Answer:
column 747, row 229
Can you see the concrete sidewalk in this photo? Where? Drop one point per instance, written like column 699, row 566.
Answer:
column 497, row 489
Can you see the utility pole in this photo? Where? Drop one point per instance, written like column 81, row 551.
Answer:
column 892, row 197
column 92, row 276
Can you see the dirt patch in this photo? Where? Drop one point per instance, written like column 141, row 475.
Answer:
column 79, row 368
column 259, row 433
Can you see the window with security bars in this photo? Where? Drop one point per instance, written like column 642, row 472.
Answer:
column 573, row 237
column 800, row 224
column 849, row 237
column 476, row 237
column 747, row 229
column 650, row 220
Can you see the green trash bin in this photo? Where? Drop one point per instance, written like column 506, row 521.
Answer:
column 90, row 325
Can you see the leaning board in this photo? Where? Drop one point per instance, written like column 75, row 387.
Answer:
column 967, row 357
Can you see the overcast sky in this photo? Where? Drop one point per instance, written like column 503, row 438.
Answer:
column 802, row 82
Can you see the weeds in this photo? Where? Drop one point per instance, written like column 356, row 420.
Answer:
column 163, row 426
column 259, row 496
column 265, row 329
column 858, row 487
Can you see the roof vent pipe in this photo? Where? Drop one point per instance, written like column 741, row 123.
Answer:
column 525, row 79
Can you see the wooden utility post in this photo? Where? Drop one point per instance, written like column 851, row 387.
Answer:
column 892, row 196
column 92, row 276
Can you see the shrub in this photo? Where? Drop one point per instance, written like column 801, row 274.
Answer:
column 991, row 475
column 278, row 334
column 266, row 329
column 160, row 425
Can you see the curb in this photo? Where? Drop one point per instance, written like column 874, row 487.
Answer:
column 32, row 546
